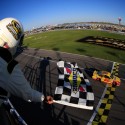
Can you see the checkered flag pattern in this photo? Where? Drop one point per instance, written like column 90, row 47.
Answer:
column 115, row 69
column 73, row 88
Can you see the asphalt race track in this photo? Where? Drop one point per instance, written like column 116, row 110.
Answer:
column 43, row 76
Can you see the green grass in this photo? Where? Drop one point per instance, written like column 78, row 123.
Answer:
column 67, row 41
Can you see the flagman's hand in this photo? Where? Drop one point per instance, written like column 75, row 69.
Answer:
column 48, row 99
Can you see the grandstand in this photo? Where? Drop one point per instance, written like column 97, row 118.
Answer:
column 81, row 25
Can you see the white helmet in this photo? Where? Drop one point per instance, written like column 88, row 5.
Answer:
column 11, row 34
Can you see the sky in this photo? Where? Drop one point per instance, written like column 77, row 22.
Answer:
column 37, row 13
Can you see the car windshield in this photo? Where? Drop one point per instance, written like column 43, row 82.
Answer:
column 99, row 72
column 107, row 76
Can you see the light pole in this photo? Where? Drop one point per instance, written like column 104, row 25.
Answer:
column 119, row 19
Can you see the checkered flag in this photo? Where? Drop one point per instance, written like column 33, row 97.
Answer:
column 73, row 88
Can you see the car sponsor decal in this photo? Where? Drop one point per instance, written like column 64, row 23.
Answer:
column 101, row 113
column 15, row 29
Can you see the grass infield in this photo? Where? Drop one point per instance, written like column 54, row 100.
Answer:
column 68, row 41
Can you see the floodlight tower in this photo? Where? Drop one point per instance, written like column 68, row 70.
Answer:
column 119, row 19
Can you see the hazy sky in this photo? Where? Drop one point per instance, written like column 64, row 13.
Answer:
column 36, row 13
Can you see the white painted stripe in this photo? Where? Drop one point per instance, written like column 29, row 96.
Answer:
column 30, row 55
column 36, row 57
column 112, row 67
column 96, row 110
column 56, row 61
column 78, row 55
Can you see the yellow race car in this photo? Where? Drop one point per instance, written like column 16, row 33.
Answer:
column 104, row 76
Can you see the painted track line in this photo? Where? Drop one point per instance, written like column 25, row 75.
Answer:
column 96, row 110
column 101, row 112
column 79, row 55
column 38, row 57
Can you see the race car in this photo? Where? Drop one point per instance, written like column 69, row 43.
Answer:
column 103, row 76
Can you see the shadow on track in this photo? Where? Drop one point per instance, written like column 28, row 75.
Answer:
column 40, row 113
